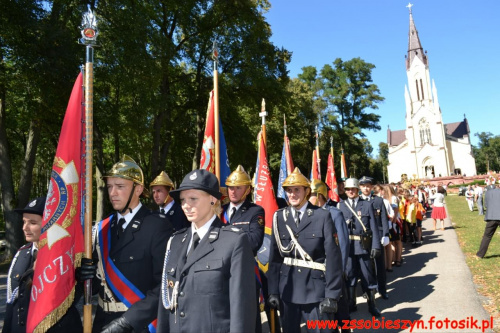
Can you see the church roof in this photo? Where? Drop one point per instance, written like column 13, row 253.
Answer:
column 395, row 138
column 457, row 130
column 414, row 47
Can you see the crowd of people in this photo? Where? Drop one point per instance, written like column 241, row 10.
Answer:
column 191, row 263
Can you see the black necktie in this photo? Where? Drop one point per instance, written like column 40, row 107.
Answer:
column 196, row 240
column 297, row 218
column 353, row 204
column 233, row 211
column 119, row 231
column 162, row 211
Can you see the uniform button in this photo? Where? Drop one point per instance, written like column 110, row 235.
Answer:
column 21, row 323
column 183, row 274
column 131, row 258
column 181, row 294
column 114, row 260
column 299, row 270
column 21, row 309
column 314, row 235
column 21, row 294
column 182, row 314
column 208, row 266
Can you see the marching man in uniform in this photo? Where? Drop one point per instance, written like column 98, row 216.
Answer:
column 381, row 217
column 247, row 216
column 208, row 282
column 240, row 212
column 130, row 248
column 305, row 266
column 364, row 245
column 160, row 189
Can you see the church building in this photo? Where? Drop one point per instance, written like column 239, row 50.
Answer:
column 427, row 148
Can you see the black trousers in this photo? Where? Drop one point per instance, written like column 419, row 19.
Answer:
column 489, row 231
column 292, row 315
column 380, row 271
column 360, row 266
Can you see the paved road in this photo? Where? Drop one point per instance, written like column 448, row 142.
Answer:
column 434, row 280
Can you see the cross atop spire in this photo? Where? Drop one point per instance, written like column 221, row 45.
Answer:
column 409, row 6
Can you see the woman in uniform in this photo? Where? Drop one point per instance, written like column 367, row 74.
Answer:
column 20, row 277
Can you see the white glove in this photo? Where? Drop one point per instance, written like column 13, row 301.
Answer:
column 384, row 241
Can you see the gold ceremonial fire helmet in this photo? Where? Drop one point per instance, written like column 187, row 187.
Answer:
column 296, row 178
column 239, row 177
column 127, row 168
column 319, row 187
column 162, row 179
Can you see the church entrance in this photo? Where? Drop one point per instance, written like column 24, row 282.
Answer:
column 428, row 168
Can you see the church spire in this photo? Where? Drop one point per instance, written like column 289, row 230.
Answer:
column 414, row 47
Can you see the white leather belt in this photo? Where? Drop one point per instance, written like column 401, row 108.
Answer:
column 304, row 263
column 112, row 306
column 354, row 237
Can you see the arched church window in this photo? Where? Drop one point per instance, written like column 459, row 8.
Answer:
column 422, row 87
column 425, row 132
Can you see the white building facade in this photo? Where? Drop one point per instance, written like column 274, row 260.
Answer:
column 427, row 148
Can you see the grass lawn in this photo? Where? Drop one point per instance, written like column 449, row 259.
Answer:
column 486, row 272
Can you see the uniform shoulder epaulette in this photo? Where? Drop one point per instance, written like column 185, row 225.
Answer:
column 179, row 231
column 26, row 246
column 231, row 228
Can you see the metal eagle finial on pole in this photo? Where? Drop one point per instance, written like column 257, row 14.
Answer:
column 89, row 34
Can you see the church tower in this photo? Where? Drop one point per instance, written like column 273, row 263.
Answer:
column 427, row 148
column 424, row 122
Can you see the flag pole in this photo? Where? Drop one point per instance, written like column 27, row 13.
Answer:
column 89, row 35
column 215, row 57
column 331, row 145
column 317, row 154
column 263, row 115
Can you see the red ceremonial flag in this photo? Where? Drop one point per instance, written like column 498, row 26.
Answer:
column 314, row 167
column 331, row 179
column 208, row 149
column 264, row 197
column 343, row 168
column 60, row 247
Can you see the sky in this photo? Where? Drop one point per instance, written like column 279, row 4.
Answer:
column 461, row 37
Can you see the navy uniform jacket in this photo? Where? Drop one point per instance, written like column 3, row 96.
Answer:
column 16, row 314
column 138, row 254
column 364, row 209
column 380, row 213
column 216, row 283
column 318, row 237
column 177, row 217
column 250, row 218
column 342, row 233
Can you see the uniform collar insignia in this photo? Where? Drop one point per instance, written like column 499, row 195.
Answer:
column 309, row 212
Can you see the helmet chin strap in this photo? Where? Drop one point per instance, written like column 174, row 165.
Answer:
column 128, row 202
column 166, row 199
column 243, row 198
column 316, row 199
